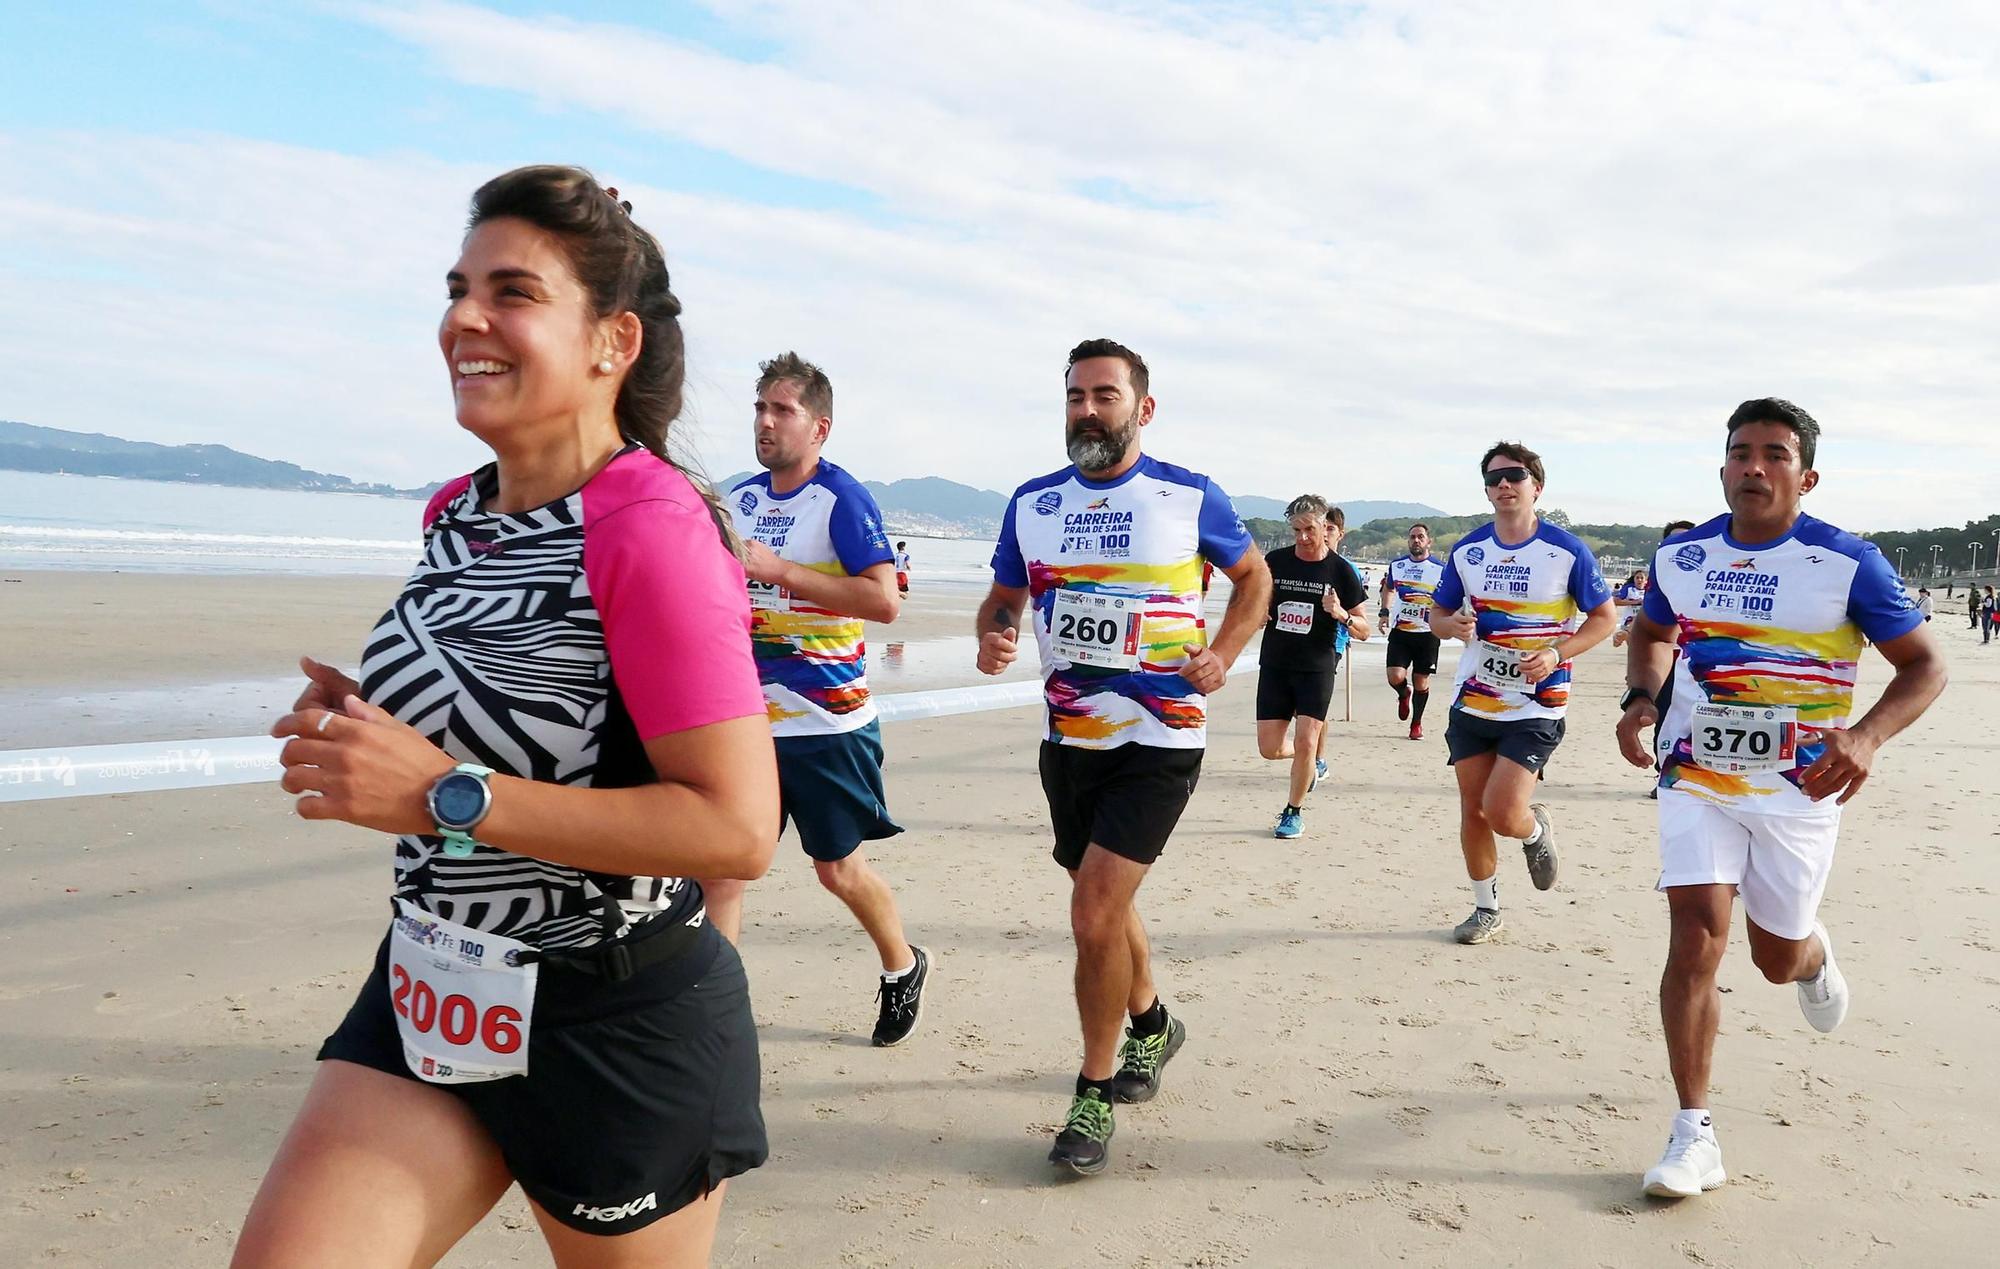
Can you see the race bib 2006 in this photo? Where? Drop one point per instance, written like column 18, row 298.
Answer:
column 1089, row 628
column 463, row 1006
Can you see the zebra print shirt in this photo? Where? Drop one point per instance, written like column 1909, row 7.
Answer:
column 549, row 644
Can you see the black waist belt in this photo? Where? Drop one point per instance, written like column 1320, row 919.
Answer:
column 618, row 961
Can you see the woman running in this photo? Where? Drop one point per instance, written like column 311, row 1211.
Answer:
column 559, row 719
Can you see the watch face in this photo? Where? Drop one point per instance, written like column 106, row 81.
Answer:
column 458, row 799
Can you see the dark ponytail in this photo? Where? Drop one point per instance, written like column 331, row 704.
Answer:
column 623, row 270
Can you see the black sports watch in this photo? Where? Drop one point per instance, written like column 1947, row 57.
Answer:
column 1635, row 694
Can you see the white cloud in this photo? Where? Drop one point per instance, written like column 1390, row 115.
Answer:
column 1354, row 250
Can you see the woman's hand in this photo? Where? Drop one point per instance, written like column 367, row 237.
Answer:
column 326, row 687
column 359, row 764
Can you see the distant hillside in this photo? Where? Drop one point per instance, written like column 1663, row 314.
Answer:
column 928, row 506
column 25, row 447
column 1360, row 511
column 1618, row 546
column 935, row 507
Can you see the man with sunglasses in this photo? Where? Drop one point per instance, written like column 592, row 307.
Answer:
column 1769, row 609
column 1533, row 600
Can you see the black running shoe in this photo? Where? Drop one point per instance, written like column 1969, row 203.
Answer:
column 902, row 1002
column 1084, row 1144
column 1142, row 1058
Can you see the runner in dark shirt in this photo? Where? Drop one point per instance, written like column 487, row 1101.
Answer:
column 1314, row 593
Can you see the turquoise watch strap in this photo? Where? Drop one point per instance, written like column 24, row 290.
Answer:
column 458, row 843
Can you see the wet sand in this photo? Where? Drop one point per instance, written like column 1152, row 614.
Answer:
column 1355, row 1088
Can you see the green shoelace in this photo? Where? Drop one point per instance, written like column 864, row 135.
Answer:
column 1140, row 1055
column 1090, row 1116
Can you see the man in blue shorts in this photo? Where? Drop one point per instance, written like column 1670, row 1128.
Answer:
column 1533, row 600
column 819, row 565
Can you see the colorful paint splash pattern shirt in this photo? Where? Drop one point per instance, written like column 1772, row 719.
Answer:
column 1113, row 573
column 1769, row 637
column 812, row 662
column 1414, row 582
column 1526, row 596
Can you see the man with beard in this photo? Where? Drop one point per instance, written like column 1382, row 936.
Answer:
column 1104, row 558
column 1413, row 649
column 1770, row 609
column 819, row 564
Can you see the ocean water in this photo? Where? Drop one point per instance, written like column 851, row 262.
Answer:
column 101, row 523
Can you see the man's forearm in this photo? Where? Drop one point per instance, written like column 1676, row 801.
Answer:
column 864, row 595
column 1908, row 695
column 1244, row 616
column 1648, row 661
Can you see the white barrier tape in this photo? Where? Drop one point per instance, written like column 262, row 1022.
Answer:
column 32, row 775
column 905, row 706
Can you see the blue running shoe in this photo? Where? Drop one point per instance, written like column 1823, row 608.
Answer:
column 1291, row 822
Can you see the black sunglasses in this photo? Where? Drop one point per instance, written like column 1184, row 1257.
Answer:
column 1513, row 475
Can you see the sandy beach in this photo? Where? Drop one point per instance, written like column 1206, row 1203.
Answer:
column 1356, row 1089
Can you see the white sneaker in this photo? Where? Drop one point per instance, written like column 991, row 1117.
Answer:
column 1823, row 998
column 1691, row 1165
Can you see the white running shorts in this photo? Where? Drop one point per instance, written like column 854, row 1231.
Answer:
column 1778, row 863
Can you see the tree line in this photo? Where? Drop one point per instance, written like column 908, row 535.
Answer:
column 1622, row 547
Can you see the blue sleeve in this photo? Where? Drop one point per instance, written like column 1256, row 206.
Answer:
column 1223, row 537
column 1450, row 593
column 1655, row 606
column 1877, row 602
column 856, row 528
column 1586, row 582
column 1009, row 569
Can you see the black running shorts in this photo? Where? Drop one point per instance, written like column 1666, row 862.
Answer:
column 1526, row 742
column 640, row 1097
column 1284, row 694
column 1414, row 651
column 1126, row 800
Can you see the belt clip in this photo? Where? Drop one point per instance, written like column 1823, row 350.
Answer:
column 618, row 963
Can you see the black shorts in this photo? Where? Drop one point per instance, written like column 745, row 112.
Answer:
column 831, row 787
column 1126, row 800
column 1414, row 651
column 1526, row 742
column 640, row 1097
column 1283, row 694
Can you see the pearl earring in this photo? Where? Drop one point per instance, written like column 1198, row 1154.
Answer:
column 604, row 367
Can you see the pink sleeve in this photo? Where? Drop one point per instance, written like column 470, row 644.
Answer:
column 442, row 499
column 676, row 615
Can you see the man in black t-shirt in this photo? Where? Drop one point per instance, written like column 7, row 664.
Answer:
column 1314, row 593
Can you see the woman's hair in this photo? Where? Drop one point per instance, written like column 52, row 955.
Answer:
column 622, row 269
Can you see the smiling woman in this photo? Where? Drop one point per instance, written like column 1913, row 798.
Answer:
column 560, row 722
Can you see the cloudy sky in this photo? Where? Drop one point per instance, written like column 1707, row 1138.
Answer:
column 1356, row 242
